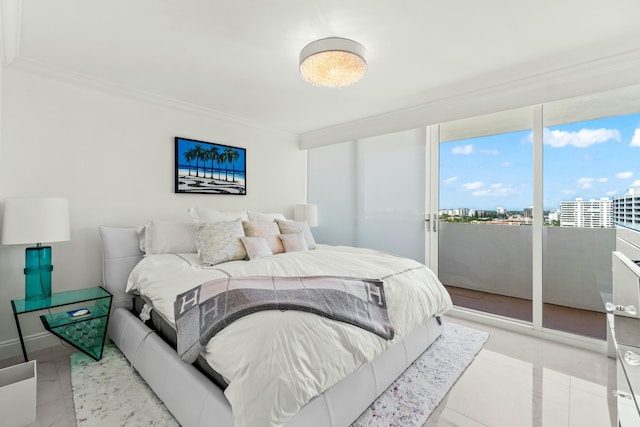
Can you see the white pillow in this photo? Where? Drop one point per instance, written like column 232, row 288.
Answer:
column 294, row 242
column 291, row 227
column 167, row 237
column 256, row 247
column 220, row 242
column 200, row 214
column 259, row 216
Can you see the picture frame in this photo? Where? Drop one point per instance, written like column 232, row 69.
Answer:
column 209, row 168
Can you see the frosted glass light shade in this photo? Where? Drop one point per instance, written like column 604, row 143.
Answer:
column 306, row 213
column 333, row 62
column 29, row 220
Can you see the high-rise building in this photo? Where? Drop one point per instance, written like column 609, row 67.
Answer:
column 528, row 212
column 587, row 213
column 626, row 209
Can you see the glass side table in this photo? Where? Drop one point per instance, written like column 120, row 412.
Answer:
column 86, row 333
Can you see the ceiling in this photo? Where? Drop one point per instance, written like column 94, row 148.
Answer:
column 240, row 58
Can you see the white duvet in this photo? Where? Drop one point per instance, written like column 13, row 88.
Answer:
column 275, row 361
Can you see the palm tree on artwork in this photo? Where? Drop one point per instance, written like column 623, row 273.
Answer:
column 188, row 156
column 198, row 153
column 222, row 158
column 212, row 154
column 229, row 156
column 232, row 157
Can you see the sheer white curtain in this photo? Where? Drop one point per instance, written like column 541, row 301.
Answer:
column 371, row 193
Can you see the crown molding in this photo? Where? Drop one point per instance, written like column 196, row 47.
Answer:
column 11, row 19
column 65, row 75
column 489, row 94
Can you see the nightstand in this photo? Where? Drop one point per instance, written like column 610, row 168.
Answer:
column 86, row 333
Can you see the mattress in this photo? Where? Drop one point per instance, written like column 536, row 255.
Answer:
column 275, row 362
column 169, row 335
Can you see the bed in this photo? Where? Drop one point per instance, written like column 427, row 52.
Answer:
column 333, row 399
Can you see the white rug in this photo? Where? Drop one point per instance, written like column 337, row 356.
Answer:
column 109, row 392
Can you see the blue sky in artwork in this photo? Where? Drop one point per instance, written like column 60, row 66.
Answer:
column 186, row 145
column 590, row 159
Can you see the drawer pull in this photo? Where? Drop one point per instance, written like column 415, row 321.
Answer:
column 631, row 358
column 621, row 394
column 611, row 307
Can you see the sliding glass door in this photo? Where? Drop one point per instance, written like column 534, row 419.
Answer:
column 485, row 199
column 519, row 206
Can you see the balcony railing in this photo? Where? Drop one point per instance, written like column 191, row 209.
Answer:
column 498, row 259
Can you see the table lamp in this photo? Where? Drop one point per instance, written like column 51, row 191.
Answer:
column 307, row 213
column 34, row 220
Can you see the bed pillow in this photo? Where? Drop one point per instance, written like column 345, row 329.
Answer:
column 256, row 247
column 291, row 227
column 259, row 216
column 220, row 242
column 294, row 242
column 200, row 214
column 266, row 229
column 167, row 237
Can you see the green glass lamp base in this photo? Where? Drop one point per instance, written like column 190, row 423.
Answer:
column 37, row 272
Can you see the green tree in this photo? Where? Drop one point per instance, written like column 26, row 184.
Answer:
column 198, row 153
column 212, row 154
column 188, row 156
column 232, row 157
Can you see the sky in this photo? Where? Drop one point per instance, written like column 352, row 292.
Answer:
column 590, row 159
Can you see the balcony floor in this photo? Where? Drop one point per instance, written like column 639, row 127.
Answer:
column 581, row 322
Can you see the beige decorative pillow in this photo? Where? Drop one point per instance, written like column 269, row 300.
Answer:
column 290, row 227
column 294, row 242
column 256, row 247
column 220, row 242
column 268, row 230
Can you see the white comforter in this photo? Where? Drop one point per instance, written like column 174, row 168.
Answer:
column 275, row 361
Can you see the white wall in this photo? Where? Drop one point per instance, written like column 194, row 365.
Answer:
column 112, row 156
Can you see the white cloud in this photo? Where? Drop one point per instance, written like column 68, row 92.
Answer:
column 463, row 149
column 506, row 164
column 450, row 180
column 585, row 182
column 581, row 139
column 635, row 141
column 494, row 192
column 624, row 175
column 636, row 183
column 490, row 152
column 603, row 179
column 496, row 185
column 611, row 193
column 473, row 185
column 568, row 192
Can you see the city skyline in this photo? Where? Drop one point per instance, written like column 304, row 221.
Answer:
column 590, row 159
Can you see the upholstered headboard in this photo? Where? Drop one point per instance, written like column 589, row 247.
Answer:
column 120, row 253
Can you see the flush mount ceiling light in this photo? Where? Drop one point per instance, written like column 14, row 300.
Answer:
column 333, row 62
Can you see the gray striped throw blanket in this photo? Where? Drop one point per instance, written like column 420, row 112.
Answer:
column 206, row 309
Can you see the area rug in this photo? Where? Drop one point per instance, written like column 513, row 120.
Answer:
column 109, row 392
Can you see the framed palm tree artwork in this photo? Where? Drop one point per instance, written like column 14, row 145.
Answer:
column 208, row 168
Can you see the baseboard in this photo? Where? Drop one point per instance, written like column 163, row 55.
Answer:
column 34, row 342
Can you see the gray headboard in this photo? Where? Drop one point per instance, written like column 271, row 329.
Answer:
column 120, row 253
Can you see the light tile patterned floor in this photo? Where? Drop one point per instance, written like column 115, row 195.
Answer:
column 516, row 380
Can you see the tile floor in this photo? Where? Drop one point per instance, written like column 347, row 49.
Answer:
column 515, row 381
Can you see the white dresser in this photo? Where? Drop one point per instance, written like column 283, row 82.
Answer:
column 624, row 326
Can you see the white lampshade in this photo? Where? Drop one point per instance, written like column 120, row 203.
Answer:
column 306, row 213
column 29, row 220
